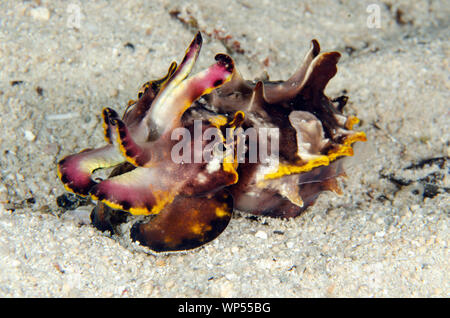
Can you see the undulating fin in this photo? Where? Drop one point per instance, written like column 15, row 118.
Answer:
column 318, row 180
column 75, row 171
column 187, row 223
column 166, row 113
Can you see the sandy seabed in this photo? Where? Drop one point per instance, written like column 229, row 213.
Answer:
column 387, row 236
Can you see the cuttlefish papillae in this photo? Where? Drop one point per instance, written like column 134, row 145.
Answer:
column 191, row 201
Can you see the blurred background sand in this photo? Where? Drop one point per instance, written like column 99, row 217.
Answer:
column 387, row 236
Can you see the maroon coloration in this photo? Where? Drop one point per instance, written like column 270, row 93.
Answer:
column 193, row 201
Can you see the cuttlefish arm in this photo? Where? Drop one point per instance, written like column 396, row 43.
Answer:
column 75, row 171
column 179, row 93
column 148, row 189
column 137, row 110
column 165, row 117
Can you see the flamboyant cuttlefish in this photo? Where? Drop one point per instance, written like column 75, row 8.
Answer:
column 188, row 150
